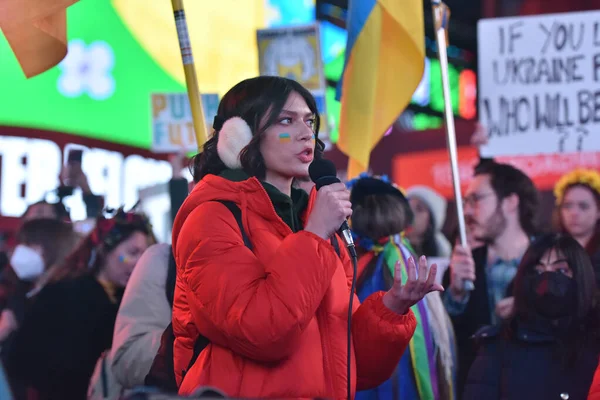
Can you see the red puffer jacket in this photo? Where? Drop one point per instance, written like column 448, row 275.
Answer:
column 276, row 316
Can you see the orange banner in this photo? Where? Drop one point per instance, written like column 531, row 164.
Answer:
column 432, row 168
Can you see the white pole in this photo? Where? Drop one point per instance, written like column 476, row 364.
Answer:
column 440, row 18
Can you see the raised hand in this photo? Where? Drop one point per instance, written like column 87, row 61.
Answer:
column 462, row 267
column 177, row 162
column 400, row 298
column 480, row 136
column 72, row 175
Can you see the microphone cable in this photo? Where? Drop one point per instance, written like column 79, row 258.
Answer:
column 323, row 172
column 350, row 304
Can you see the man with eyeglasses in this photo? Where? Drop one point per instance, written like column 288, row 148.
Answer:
column 500, row 207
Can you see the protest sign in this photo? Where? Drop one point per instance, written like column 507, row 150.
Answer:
column 172, row 125
column 295, row 53
column 292, row 52
column 539, row 83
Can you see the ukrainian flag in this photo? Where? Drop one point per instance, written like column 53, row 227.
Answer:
column 384, row 64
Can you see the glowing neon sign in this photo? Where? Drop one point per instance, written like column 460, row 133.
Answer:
column 463, row 88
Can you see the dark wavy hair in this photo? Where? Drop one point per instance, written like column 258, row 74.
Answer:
column 375, row 217
column 430, row 247
column 89, row 256
column 576, row 257
column 379, row 216
column 258, row 101
column 56, row 238
column 59, row 209
column 584, row 324
column 507, row 180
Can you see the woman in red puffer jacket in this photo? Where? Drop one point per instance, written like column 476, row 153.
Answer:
column 275, row 314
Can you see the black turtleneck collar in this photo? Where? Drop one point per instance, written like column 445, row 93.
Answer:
column 289, row 209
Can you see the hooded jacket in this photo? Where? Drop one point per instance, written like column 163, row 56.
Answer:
column 276, row 316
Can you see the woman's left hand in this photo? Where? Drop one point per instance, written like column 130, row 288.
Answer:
column 400, row 298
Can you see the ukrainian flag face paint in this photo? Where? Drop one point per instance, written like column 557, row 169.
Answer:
column 287, row 138
column 124, row 258
column 287, row 146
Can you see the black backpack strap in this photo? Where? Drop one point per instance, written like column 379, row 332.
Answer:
column 237, row 214
column 199, row 345
column 162, row 371
column 171, row 277
column 104, row 377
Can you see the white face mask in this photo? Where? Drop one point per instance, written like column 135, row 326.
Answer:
column 27, row 263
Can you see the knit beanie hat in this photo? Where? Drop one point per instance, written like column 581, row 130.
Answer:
column 437, row 207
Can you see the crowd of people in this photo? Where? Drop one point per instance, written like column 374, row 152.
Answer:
column 252, row 298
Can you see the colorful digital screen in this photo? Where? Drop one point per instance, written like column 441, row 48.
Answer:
column 123, row 51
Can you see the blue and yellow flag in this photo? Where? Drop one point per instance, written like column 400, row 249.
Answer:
column 384, row 64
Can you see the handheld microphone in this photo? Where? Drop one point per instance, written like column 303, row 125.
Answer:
column 322, row 172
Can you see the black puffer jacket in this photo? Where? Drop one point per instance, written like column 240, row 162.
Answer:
column 527, row 367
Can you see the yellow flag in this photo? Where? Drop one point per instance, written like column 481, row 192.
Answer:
column 384, row 65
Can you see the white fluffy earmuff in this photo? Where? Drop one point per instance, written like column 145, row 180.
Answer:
column 233, row 137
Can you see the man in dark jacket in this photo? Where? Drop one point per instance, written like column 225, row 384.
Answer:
column 499, row 206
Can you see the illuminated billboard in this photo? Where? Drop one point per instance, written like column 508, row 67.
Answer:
column 122, row 51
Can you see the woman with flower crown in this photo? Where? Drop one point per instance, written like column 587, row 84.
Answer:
column 71, row 320
column 380, row 213
column 578, row 211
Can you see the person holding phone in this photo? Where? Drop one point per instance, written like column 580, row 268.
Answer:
column 72, row 177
